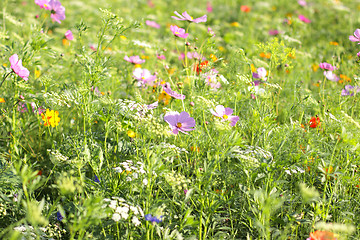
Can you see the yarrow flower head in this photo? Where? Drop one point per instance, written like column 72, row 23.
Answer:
column 357, row 36
column 180, row 122
column 69, row 35
column 350, row 90
column 153, row 219
column 134, row 59
column 57, row 11
column 50, row 118
column 186, row 17
column 17, row 67
column 178, row 32
column 225, row 114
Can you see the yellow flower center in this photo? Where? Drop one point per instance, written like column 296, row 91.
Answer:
column 225, row 116
column 191, row 18
column 177, row 33
column 179, row 125
column 45, row 5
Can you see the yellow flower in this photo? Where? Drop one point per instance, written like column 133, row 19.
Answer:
column 164, row 97
column 315, row 67
column 235, row 24
column 213, row 57
column 131, row 134
column 37, row 73
column 50, row 118
column 123, row 37
column 2, row 100
column 334, row 43
column 253, row 68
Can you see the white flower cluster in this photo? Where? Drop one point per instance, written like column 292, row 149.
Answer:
column 132, row 170
column 253, row 154
column 169, row 146
column 177, row 181
column 123, row 210
column 56, row 156
column 294, row 170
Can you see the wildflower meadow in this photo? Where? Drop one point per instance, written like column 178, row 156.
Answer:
column 159, row 119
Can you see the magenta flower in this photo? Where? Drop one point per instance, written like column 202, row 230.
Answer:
column 161, row 57
column 17, row 67
column 261, row 74
column 225, row 114
column 331, row 76
column 179, row 32
column 209, row 7
column 143, row 76
column 327, row 66
column 274, row 32
column 350, row 90
column 43, row 3
column 57, row 11
column 304, row 19
column 152, row 24
column 186, row 17
column 358, row 54
column 180, row 122
column 302, row 3
column 167, row 89
column 134, row 59
column 69, row 35
column 357, row 36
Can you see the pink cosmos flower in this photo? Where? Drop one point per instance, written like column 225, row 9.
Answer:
column 357, row 36
column 261, row 74
column 134, row 59
column 211, row 32
column 331, row 76
column 186, row 17
column 225, row 114
column 179, row 32
column 195, row 55
column 161, row 57
column 69, row 35
column 43, row 3
column 152, row 24
column 57, row 11
column 358, row 54
column 167, row 89
column 143, row 76
column 209, row 7
column 211, row 79
column 302, row 3
column 274, row 32
column 17, row 67
column 180, row 122
column 327, row 66
column 304, row 19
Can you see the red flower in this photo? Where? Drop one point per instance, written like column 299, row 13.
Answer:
column 314, row 122
column 245, row 8
column 322, row 235
column 202, row 65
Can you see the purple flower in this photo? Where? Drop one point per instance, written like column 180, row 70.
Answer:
column 350, row 90
column 186, row 17
column 152, row 24
column 134, row 59
column 59, row 217
column 274, row 32
column 260, row 74
column 69, row 35
column 167, row 89
column 178, row 32
column 17, row 67
column 143, row 76
column 180, row 122
column 327, row 66
column 57, row 11
column 42, row 3
column 304, row 19
column 225, row 114
column 331, row 76
column 357, row 36
column 185, row 191
column 96, row 179
column 153, row 105
column 153, row 219
column 358, row 54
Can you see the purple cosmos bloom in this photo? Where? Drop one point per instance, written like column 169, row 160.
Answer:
column 152, row 24
column 357, row 36
column 180, row 122
column 358, row 54
column 167, row 89
column 43, row 3
column 350, row 90
column 17, row 67
column 153, row 219
column 59, row 217
column 327, row 66
column 143, row 76
column 179, row 32
column 57, row 11
column 225, row 114
column 69, row 35
column 260, row 74
column 186, row 17
column 331, row 76
column 304, row 19
column 134, row 59
column 274, row 32
column 153, row 105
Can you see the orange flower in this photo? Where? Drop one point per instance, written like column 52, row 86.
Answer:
column 164, row 97
column 245, row 8
column 202, row 65
column 2, row 100
column 265, row 55
column 315, row 67
column 345, row 78
column 213, row 57
column 322, row 235
column 334, row 43
column 314, row 122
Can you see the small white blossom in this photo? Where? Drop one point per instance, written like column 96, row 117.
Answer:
column 116, row 217
column 135, row 221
